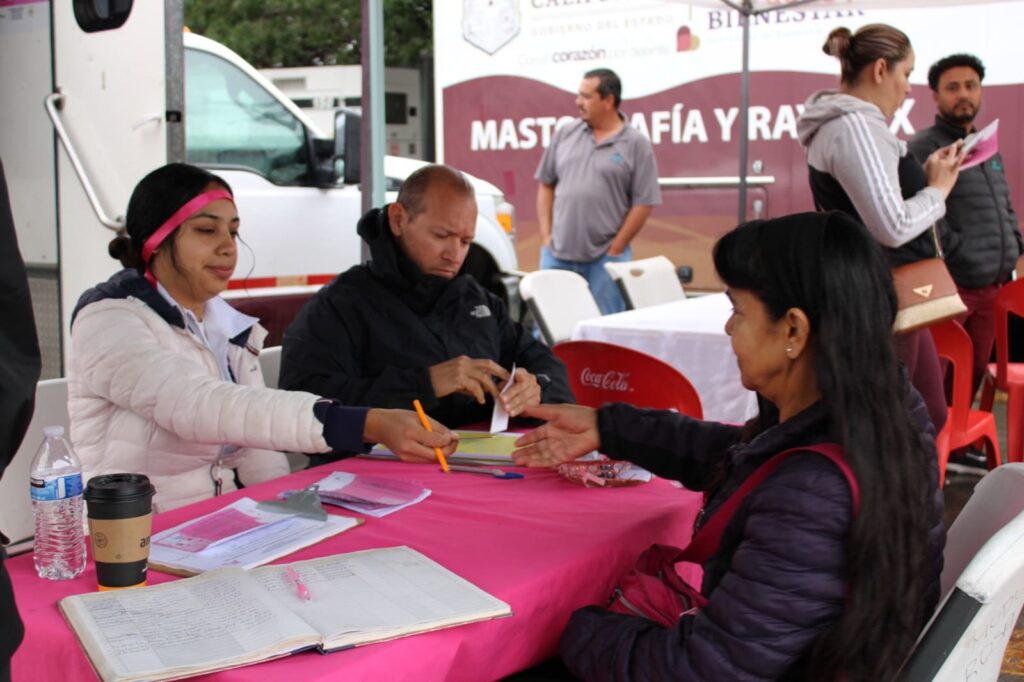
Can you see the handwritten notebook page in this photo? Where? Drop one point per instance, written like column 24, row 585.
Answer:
column 231, row 617
column 216, row 620
column 379, row 594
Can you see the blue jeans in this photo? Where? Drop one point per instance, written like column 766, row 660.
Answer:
column 605, row 292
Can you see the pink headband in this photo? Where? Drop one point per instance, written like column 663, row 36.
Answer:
column 172, row 223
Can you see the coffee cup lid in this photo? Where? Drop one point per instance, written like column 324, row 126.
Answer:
column 118, row 487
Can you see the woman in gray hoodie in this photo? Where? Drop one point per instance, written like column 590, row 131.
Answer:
column 857, row 165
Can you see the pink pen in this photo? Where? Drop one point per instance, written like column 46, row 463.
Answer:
column 300, row 587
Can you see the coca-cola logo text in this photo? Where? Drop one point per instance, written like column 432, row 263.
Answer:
column 609, row 381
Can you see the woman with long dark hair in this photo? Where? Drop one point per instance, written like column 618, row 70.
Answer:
column 800, row 586
column 164, row 378
column 858, row 166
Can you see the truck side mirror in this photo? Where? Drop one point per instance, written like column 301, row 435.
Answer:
column 347, row 145
column 323, row 148
column 323, row 162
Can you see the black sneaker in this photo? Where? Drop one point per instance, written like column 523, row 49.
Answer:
column 969, row 460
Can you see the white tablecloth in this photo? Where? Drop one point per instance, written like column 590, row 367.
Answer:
column 690, row 336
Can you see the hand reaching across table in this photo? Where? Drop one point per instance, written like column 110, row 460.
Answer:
column 570, row 431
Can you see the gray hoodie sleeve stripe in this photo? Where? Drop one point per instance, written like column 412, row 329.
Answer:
column 885, row 197
column 873, row 187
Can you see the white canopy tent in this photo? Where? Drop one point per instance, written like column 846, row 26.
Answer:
column 752, row 8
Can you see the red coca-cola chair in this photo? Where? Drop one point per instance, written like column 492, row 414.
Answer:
column 602, row 373
column 1005, row 375
column 964, row 426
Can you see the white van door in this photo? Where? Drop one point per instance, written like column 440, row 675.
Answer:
column 117, row 96
column 26, row 138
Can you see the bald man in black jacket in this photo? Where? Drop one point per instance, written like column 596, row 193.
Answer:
column 406, row 326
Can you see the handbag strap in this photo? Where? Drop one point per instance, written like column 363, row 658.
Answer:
column 705, row 542
column 938, row 243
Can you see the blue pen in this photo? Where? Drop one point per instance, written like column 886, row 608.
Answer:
column 486, row 471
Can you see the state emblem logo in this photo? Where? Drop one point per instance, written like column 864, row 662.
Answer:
column 490, row 24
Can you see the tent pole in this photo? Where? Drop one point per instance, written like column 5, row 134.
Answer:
column 745, row 16
column 372, row 131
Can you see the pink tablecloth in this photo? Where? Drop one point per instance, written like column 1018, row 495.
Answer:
column 541, row 544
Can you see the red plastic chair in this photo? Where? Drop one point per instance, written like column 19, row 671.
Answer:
column 603, row 373
column 1005, row 375
column 964, row 426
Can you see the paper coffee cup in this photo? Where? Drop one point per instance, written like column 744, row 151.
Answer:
column 120, row 521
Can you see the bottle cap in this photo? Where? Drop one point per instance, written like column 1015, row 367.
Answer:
column 53, row 431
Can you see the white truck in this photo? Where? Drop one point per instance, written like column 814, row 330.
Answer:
column 126, row 89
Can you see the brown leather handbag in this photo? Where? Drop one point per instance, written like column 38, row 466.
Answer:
column 925, row 292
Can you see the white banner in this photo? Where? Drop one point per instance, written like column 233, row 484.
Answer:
column 657, row 44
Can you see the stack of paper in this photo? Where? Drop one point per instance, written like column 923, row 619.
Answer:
column 238, row 535
column 371, row 495
column 475, row 447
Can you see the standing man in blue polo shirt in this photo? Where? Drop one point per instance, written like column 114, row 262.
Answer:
column 598, row 183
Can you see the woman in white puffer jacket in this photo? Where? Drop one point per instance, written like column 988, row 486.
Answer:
column 164, row 378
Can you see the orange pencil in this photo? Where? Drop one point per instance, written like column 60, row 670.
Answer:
column 426, row 425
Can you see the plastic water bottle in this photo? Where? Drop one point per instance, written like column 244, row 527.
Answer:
column 57, row 505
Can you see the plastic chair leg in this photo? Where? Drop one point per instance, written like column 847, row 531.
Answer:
column 1015, row 423
column 942, row 449
column 991, row 447
column 988, row 392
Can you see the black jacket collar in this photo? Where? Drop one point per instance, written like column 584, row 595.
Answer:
column 952, row 129
column 802, row 428
column 130, row 283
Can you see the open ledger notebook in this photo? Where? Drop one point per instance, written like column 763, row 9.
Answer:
column 231, row 617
